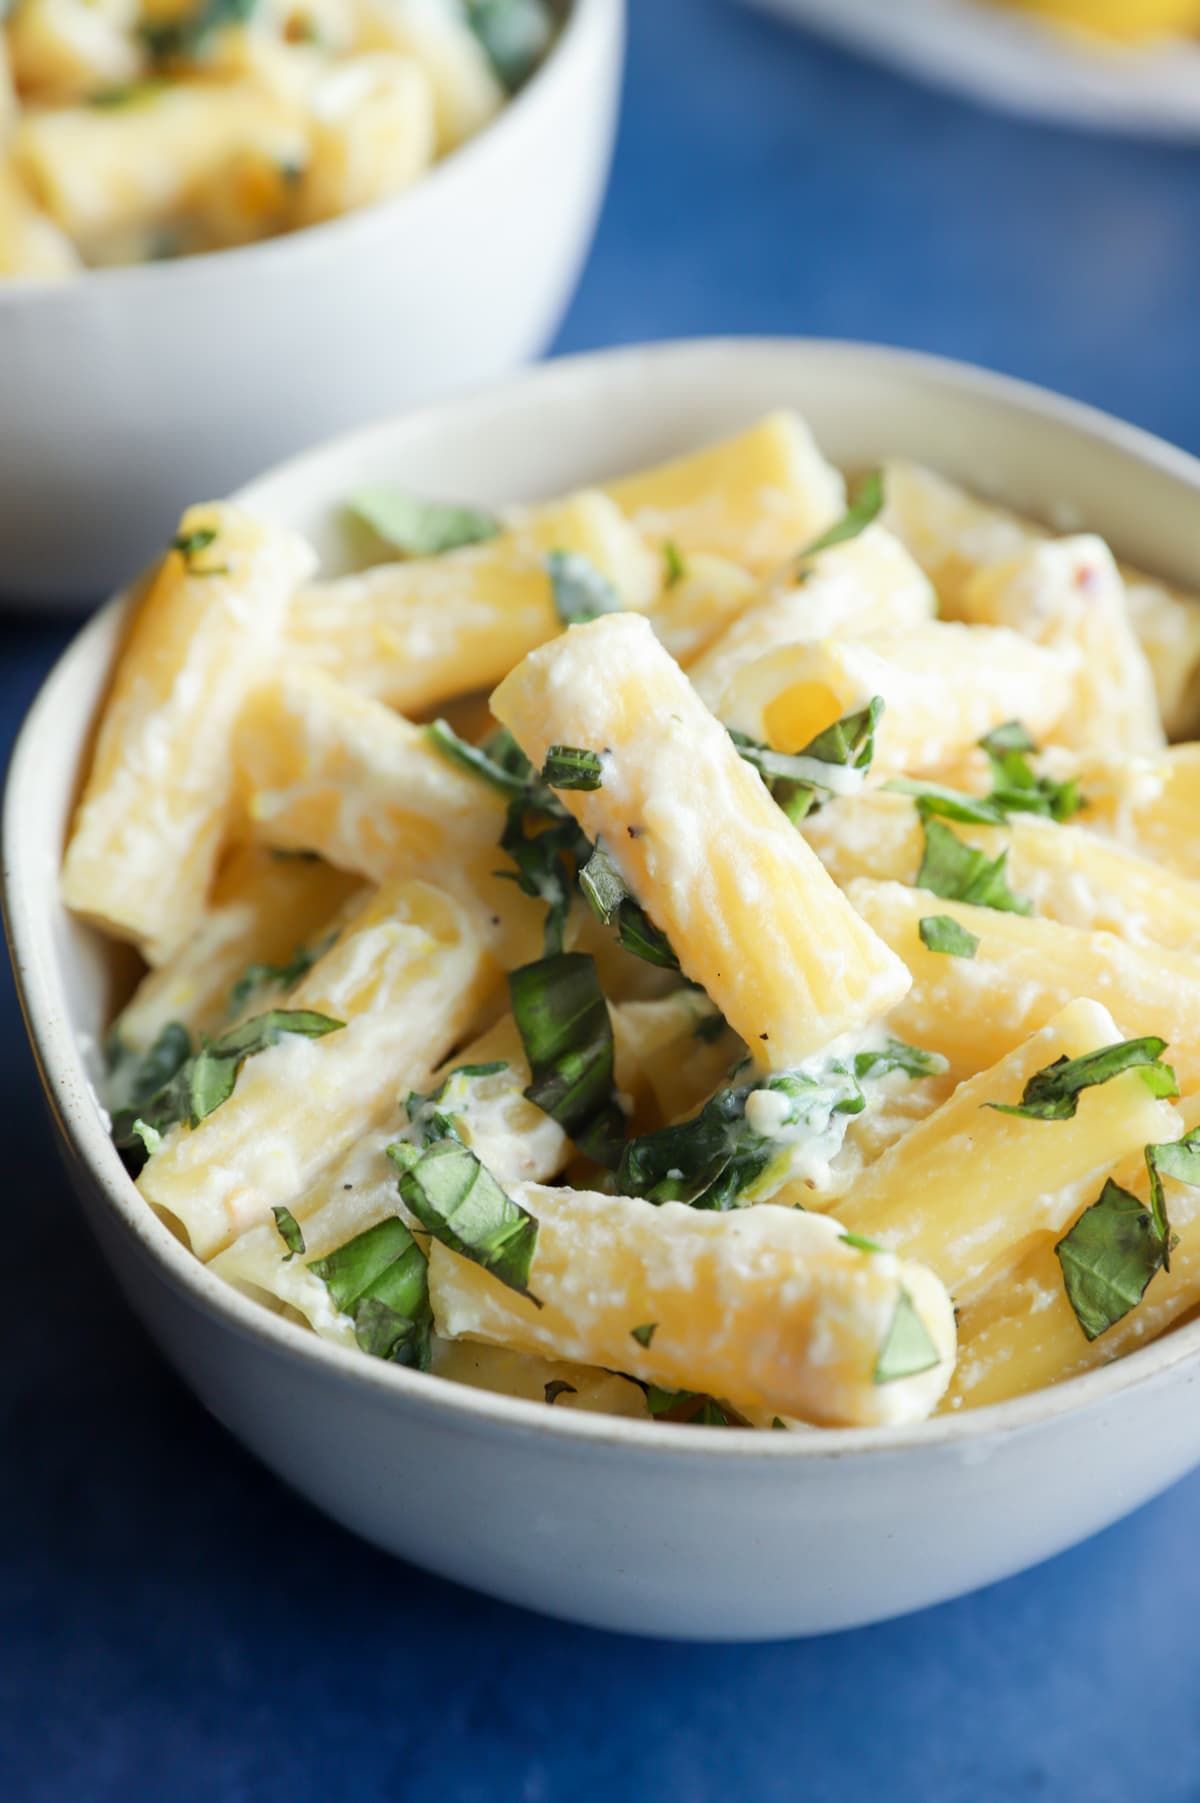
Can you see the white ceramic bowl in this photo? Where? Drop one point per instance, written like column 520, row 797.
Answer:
column 128, row 392
column 625, row 1524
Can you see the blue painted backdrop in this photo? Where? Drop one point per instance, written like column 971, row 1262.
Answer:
column 175, row 1626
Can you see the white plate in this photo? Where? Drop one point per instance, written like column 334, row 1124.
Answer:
column 1015, row 60
column 624, row 1524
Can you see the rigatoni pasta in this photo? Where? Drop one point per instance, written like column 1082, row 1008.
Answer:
column 752, row 974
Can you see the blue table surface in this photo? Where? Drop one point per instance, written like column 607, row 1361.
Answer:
column 175, row 1625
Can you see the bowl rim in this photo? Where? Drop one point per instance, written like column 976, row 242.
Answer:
column 72, row 1105
column 581, row 21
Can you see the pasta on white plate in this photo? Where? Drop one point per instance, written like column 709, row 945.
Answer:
column 727, row 993
column 137, row 130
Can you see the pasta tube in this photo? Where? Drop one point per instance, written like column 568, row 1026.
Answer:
column 951, row 534
column 1152, row 806
column 320, row 768
column 407, row 976
column 767, row 1307
column 148, row 830
column 466, row 94
column 1067, row 594
column 969, row 1186
column 371, row 134
column 325, row 770
column 868, row 584
column 261, row 909
column 975, row 1009
column 514, row 1138
column 1065, row 872
column 671, row 1053
column 67, row 50
column 30, row 243
column 416, row 633
column 1167, row 623
column 1021, row 1333
column 696, row 606
column 699, row 842
column 105, row 172
column 757, row 498
column 943, row 686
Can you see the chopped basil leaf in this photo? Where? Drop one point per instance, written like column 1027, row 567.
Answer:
column 188, row 543
column 545, row 861
column 502, row 749
column 951, row 804
column 460, row 1203
column 418, row 528
column 564, row 1024
column 581, row 591
column 645, row 1333
column 169, row 39
column 475, row 759
column 289, row 1232
column 1053, row 1094
column 959, row 872
column 257, row 977
column 515, row 34
column 604, row 890
column 602, row 884
column 908, row 1348
column 779, row 1424
column 689, row 1408
column 384, row 1333
column 380, row 1279
column 1109, row 1257
column 557, row 1387
column 701, row 1161
column 894, row 1055
column 129, row 94
column 941, row 933
column 552, row 854
column 1012, row 736
column 710, row 1028
column 713, row 1159
column 1016, row 787
column 569, row 767
column 866, row 506
column 674, row 567
column 1179, row 1159
column 208, row 1077
column 850, row 741
column 146, row 1136
column 795, row 778
column 437, row 1116
column 134, row 1077
column 860, row 1243
column 637, row 933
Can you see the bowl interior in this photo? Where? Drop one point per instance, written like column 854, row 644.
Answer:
column 544, row 432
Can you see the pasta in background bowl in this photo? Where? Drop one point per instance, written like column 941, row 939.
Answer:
column 645, row 1523
column 138, row 135
column 353, row 211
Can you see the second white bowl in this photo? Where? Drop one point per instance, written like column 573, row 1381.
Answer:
column 127, row 393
